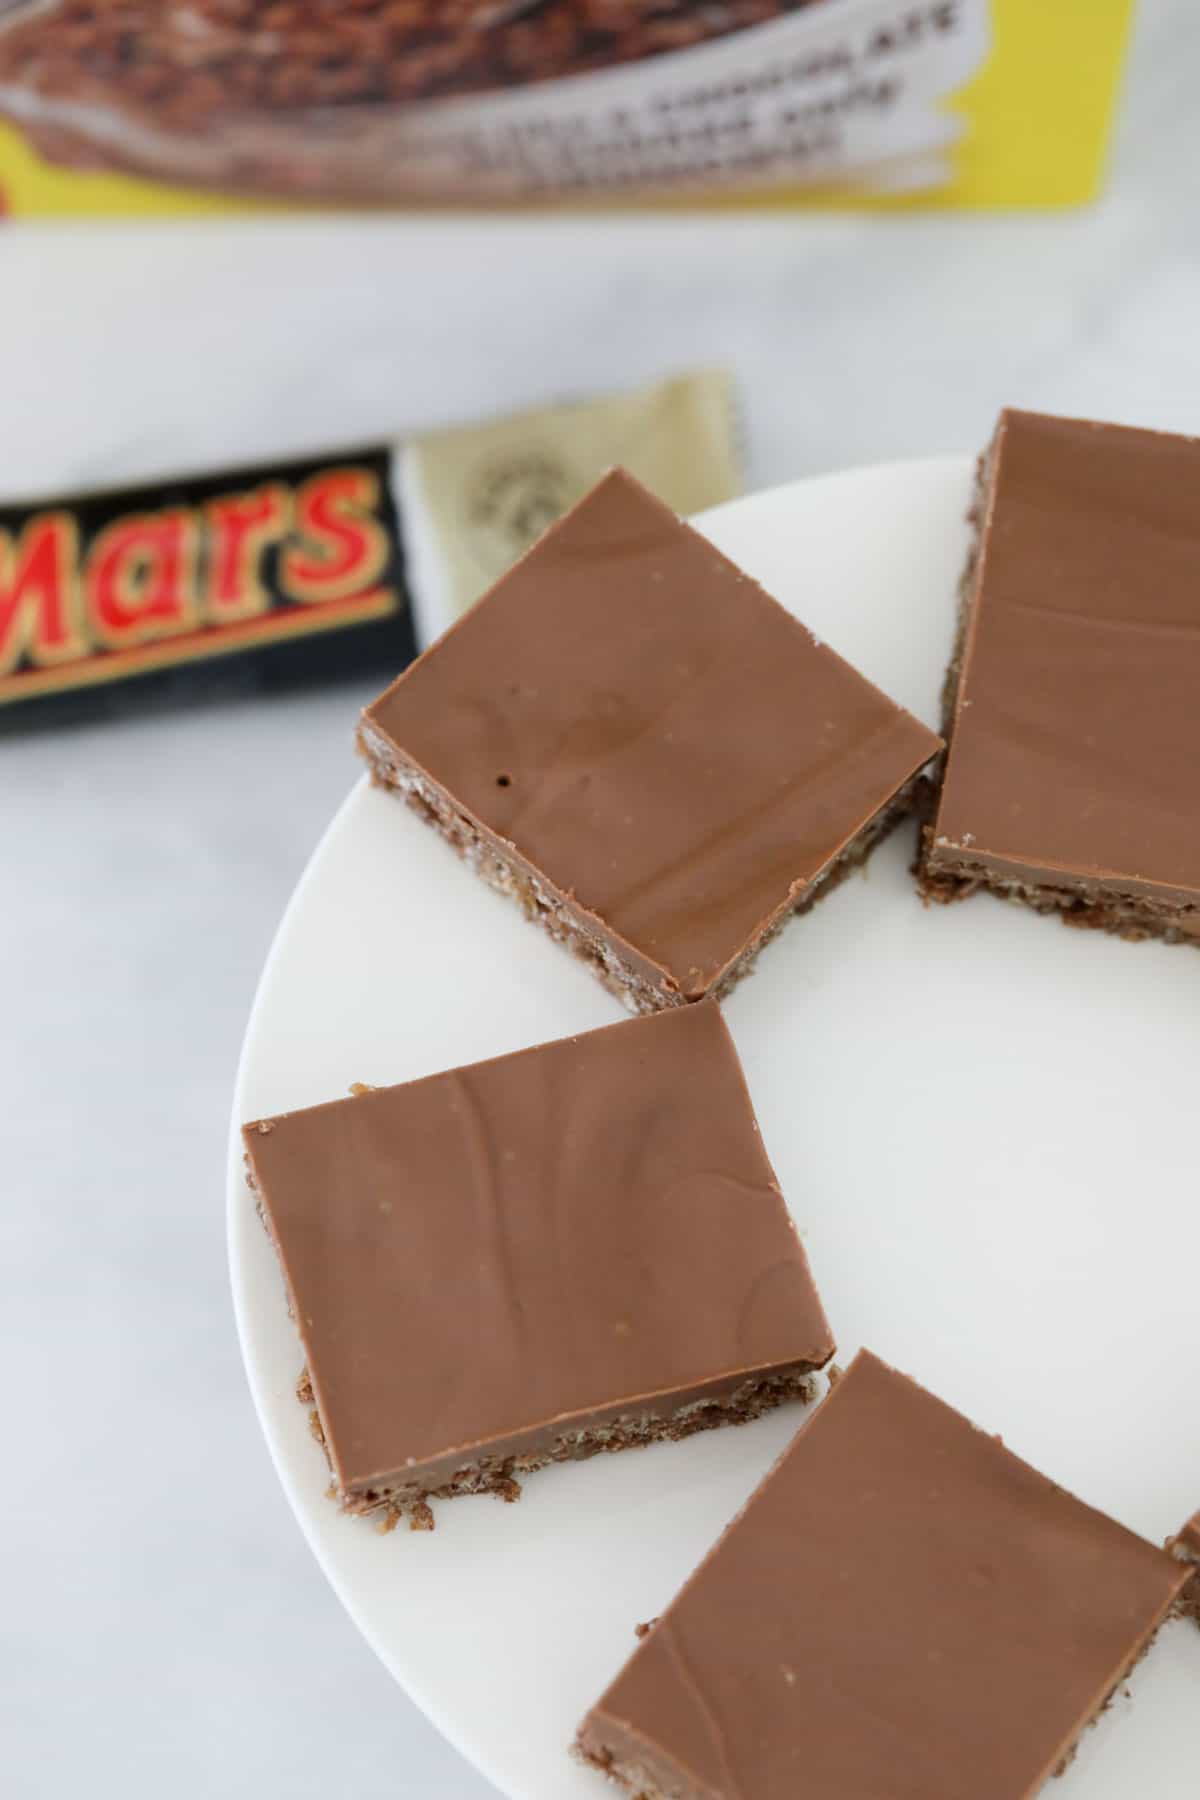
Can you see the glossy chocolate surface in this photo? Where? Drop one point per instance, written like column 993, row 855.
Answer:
column 649, row 730
column 1076, row 740
column 486, row 1258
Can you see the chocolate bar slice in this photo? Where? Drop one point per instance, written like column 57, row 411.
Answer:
column 628, row 734
column 902, row 1608
column 199, row 69
column 576, row 1248
column 1073, row 771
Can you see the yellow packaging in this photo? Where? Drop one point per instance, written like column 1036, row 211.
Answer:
column 171, row 106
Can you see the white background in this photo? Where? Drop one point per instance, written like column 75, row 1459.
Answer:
column 162, row 1626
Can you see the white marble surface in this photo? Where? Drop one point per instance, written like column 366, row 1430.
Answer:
column 163, row 1627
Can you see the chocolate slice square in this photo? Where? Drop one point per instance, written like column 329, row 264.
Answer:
column 575, row 1248
column 902, row 1608
column 629, row 735
column 1073, row 770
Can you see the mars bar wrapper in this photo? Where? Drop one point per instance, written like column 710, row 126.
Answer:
column 250, row 579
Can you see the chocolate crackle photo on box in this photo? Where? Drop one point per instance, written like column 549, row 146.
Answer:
column 600, row 803
column 297, row 573
column 552, row 102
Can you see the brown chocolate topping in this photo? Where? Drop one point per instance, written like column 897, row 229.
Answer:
column 1075, row 753
column 638, row 722
column 903, row 1608
column 487, row 1259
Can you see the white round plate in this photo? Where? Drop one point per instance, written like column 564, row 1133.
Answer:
column 985, row 1126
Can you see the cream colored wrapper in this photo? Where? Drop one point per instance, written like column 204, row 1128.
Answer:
column 475, row 498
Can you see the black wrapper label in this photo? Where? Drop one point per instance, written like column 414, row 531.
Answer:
column 103, row 587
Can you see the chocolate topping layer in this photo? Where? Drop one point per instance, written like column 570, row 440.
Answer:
column 633, row 721
column 484, row 1262
column 904, row 1608
column 1075, row 750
